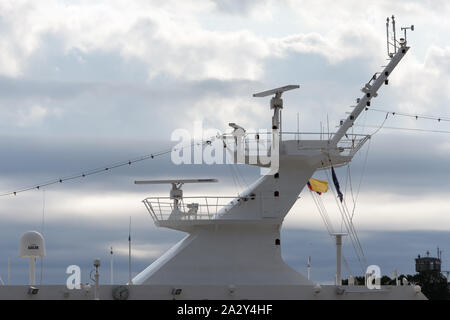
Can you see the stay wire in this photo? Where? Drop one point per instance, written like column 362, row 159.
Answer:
column 98, row 170
column 415, row 116
column 327, row 222
column 351, row 232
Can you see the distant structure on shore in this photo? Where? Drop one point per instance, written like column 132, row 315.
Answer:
column 429, row 263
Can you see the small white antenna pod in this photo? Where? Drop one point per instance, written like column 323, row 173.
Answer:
column 32, row 245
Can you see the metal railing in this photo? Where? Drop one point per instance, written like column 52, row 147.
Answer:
column 191, row 208
column 258, row 143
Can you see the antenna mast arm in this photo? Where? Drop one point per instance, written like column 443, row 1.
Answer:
column 370, row 90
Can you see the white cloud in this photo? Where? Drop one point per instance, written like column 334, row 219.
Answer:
column 335, row 47
column 28, row 114
column 377, row 211
column 170, row 39
column 32, row 115
column 424, row 87
column 167, row 41
column 141, row 251
column 216, row 112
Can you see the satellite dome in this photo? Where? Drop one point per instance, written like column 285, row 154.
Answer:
column 31, row 244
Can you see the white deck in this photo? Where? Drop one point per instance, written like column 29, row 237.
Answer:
column 217, row 292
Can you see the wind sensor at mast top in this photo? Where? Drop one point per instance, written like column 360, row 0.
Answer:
column 395, row 44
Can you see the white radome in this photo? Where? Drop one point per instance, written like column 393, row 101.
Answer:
column 31, row 244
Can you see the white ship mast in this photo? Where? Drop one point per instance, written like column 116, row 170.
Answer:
column 237, row 242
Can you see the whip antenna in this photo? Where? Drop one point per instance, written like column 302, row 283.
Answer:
column 130, row 281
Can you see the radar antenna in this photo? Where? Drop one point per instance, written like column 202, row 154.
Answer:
column 276, row 103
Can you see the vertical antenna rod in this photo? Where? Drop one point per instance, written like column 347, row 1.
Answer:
column 387, row 37
column 395, row 36
column 9, row 271
column 130, row 281
column 309, row 268
column 96, row 279
column 42, row 231
column 111, row 267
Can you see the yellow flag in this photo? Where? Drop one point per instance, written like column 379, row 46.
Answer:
column 318, row 185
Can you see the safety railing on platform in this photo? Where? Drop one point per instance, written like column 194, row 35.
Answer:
column 259, row 143
column 191, row 208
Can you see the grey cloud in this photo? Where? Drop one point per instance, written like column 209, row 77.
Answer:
column 29, row 161
column 96, row 92
column 242, row 7
column 393, row 163
column 77, row 243
column 389, row 250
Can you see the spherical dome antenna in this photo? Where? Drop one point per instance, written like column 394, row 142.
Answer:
column 31, row 245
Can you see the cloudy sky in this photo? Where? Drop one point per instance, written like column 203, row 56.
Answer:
column 89, row 83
